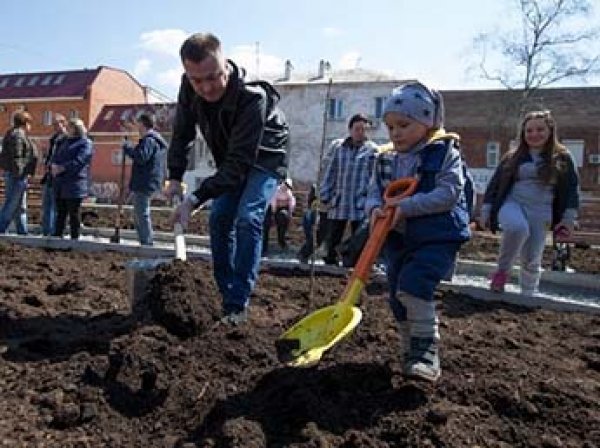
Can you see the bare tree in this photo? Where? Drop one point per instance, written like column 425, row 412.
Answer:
column 551, row 44
column 548, row 47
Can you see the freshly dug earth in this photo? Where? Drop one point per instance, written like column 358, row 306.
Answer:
column 80, row 369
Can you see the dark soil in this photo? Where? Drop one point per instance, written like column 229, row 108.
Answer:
column 79, row 369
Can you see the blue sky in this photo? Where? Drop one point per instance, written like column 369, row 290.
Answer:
column 431, row 40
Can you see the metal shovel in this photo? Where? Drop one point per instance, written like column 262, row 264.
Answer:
column 140, row 272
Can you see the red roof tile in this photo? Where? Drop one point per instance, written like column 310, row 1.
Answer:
column 46, row 84
column 111, row 115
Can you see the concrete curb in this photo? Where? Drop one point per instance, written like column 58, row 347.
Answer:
column 564, row 279
column 572, row 281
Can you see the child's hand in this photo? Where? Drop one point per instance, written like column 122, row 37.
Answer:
column 376, row 214
column 398, row 215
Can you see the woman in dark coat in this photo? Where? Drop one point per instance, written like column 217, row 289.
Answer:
column 71, row 172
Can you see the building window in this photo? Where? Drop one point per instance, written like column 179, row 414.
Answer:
column 108, row 115
column 492, row 154
column 47, row 118
column 3, row 82
column 47, row 79
column 576, row 148
column 125, row 115
column 33, row 80
column 336, row 109
column 19, row 82
column 379, row 102
column 59, row 79
column 73, row 114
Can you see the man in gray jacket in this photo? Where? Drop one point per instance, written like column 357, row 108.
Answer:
column 247, row 135
column 18, row 159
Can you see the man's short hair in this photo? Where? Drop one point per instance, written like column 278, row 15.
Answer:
column 148, row 120
column 21, row 118
column 357, row 118
column 199, row 46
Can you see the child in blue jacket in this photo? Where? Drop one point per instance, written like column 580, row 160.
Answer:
column 429, row 226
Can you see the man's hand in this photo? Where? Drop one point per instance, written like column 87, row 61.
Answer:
column 173, row 189
column 183, row 212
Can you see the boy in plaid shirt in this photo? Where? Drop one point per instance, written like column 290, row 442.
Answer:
column 429, row 226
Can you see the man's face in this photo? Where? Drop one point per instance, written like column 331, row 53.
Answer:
column 60, row 125
column 208, row 77
column 358, row 131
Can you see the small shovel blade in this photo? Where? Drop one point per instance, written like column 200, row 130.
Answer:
column 303, row 345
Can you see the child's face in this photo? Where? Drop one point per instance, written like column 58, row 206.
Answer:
column 537, row 133
column 404, row 131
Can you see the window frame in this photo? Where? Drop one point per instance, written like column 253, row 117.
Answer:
column 492, row 154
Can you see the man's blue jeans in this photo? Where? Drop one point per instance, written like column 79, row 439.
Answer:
column 141, row 215
column 236, row 223
column 15, row 203
column 48, row 209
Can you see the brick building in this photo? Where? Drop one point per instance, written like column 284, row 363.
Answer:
column 487, row 123
column 76, row 93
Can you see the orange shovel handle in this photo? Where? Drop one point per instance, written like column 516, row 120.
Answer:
column 398, row 189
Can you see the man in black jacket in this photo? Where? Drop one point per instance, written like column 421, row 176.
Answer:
column 247, row 135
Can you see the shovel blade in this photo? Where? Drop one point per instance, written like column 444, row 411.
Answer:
column 303, row 345
column 139, row 273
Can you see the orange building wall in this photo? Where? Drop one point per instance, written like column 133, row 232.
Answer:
column 113, row 86
column 103, row 168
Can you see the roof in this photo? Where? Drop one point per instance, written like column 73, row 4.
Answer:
column 110, row 117
column 354, row 75
column 59, row 84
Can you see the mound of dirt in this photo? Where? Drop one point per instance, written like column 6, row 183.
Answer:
column 184, row 305
column 79, row 369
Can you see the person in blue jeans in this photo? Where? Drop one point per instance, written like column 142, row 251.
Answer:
column 48, row 195
column 18, row 159
column 247, row 135
column 147, row 172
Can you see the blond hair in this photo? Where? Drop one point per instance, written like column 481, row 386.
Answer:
column 79, row 126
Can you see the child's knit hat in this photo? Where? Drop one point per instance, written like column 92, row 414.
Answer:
column 418, row 102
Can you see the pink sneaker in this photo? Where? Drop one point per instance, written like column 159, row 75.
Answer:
column 499, row 279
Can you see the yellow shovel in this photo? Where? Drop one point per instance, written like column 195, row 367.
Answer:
column 304, row 343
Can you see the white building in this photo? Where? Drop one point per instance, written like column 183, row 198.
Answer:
column 303, row 100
